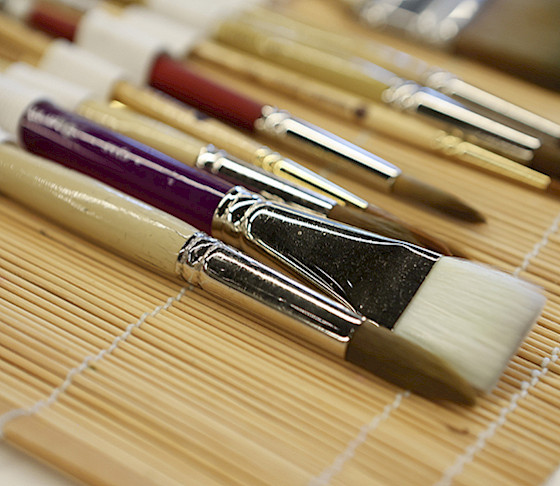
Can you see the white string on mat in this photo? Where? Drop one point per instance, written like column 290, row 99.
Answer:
column 333, row 469
column 6, row 417
column 553, row 228
column 468, row 455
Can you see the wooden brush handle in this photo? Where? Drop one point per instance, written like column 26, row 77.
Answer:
column 93, row 209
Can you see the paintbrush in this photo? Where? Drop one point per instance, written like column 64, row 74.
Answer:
column 141, row 55
column 196, row 153
column 171, row 247
column 107, row 82
column 372, row 82
column 294, row 50
column 374, row 116
column 471, row 315
column 407, row 66
column 513, row 35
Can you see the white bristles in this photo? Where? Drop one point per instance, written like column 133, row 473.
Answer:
column 472, row 316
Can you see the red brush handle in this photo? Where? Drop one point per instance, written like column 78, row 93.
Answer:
column 167, row 75
column 175, row 79
column 54, row 20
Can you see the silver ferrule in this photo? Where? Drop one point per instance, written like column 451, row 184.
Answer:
column 284, row 305
column 352, row 266
column 458, row 120
column 258, row 180
column 436, row 22
column 324, row 145
column 490, row 105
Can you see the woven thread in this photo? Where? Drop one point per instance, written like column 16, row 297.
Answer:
column 7, row 417
column 333, row 469
column 526, row 385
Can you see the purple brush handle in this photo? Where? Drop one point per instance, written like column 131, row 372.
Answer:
column 123, row 163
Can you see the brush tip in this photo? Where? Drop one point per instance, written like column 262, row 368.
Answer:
column 403, row 363
column 435, row 198
column 472, row 316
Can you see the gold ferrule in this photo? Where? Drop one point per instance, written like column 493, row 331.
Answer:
column 479, row 157
column 292, row 171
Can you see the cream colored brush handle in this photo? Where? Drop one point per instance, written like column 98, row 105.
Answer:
column 361, row 78
column 93, row 209
column 146, row 130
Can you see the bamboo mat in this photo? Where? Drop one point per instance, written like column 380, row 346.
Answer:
column 117, row 376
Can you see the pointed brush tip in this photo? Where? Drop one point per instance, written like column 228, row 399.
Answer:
column 464, row 212
column 418, row 191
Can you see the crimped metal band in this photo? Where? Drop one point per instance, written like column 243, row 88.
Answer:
column 288, row 307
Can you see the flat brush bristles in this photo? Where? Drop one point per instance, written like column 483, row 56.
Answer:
column 472, row 316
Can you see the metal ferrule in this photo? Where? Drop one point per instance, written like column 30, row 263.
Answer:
column 284, row 305
column 436, row 22
column 460, row 121
column 276, row 163
column 324, row 145
column 258, row 180
column 359, row 269
column 490, row 105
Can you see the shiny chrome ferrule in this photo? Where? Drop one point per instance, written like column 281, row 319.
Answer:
column 490, row 105
column 283, row 304
column 435, row 22
column 460, row 121
column 363, row 271
column 324, row 145
column 258, row 180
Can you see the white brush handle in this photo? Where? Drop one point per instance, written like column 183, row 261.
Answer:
column 112, row 39
column 94, row 210
column 77, row 65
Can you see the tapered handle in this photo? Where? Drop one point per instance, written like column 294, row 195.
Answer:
column 93, row 209
column 123, row 163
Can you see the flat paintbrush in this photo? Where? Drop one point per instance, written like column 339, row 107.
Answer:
column 171, row 247
column 472, row 316
column 144, row 58
column 107, row 82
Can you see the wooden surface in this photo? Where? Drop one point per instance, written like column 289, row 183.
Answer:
column 201, row 393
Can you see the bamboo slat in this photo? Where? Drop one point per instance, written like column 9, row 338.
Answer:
column 182, row 389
